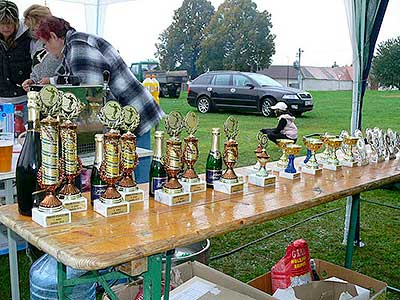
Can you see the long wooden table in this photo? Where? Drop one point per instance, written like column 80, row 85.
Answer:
column 93, row 242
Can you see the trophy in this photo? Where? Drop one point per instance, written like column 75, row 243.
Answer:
column 332, row 163
column 390, row 143
column 327, row 152
column 312, row 166
column 229, row 182
column 290, row 172
column 262, row 177
column 375, row 139
column 111, row 202
column 350, row 142
column 190, row 180
column 70, row 195
column 361, row 155
column 127, row 187
column 172, row 192
column 283, row 160
column 50, row 175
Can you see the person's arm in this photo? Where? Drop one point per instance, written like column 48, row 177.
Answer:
column 282, row 123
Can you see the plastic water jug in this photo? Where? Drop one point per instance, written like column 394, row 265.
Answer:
column 7, row 117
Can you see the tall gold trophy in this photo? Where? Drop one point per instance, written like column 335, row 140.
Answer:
column 229, row 182
column 333, row 163
column 111, row 202
column 70, row 195
column 127, row 187
column 349, row 142
column 172, row 192
column 312, row 166
column 325, row 155
column 283, row 160
column 190, row 180
column 262, row 178
column 291, row 172
column 51, row 211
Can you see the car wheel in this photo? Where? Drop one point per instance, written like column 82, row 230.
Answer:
column 204, row 105
column 266, row 108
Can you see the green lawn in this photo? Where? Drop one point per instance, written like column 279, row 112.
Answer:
column 380, row 225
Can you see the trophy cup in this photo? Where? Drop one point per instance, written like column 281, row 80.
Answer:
column 127, row 187
column 70, row 195
column 283, row 160
column 229, row 182
column 51, row 211
column 361, row 155
column 190, row 180
column 348, row 158
column 172, row 192
column 312, row 166
column 111, row 202
column 262, row 178
column 333, row 163
column 290, row 172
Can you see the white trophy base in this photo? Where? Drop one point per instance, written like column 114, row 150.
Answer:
column 194, row 187
column 276, row 168
column 74, row 203
column 349, row 164
column 228, row 188
column 332, row 167
column 109, row 210
column 261, row 181
column 311, row 171
column 291, row 176
column 51, row 219
column 132, row 196
column 172, row 199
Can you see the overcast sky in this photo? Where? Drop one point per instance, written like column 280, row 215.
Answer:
column 319, row 27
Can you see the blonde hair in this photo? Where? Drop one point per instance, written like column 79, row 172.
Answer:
column 34, row 14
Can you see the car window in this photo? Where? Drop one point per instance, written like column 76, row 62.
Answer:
column 222, row 79
column 264, row 80
column 240, row 80
column 203, row 79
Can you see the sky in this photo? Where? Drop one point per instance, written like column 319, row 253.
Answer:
column 318, row 27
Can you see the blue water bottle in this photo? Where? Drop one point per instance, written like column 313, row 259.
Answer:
column 7, row 118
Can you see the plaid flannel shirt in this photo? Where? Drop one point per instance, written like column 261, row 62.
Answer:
column 87, row 56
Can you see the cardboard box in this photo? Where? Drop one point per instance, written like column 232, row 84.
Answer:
column 326, row 270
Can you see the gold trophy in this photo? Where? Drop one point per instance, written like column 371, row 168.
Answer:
column 348, row 158
column 333, row 163
column 70, row 195
column 190, row 180
column 127, row 187
column 324, row 157
column 229, row 182
column 283, row 160
column 290, row 172
column 172, row 192
column 262, row 178
column 312, row 166
column 51, row 210
column 111, row 202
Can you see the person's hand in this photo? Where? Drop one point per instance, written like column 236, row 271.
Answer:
column 45, row 80
column 26, row 84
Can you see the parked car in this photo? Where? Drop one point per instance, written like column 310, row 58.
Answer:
column 244, row 91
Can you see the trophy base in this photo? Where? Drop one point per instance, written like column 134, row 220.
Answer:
column 332, row 167
column 228, row 188
column 349, row 164
column 277, row 168
column 261, row 181
column 291, row 176
column 194, row 187
column 51, row 219
column 109, row 210
column 73, row 203
column 172, row 199
column 310, row 171
column 137, row 195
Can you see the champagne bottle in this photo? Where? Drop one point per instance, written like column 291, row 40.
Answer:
column 97, row 186
column 158, row 175
column 29, row 162
column 214, row 159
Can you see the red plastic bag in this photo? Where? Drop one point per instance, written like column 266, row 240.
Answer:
column 294, row 268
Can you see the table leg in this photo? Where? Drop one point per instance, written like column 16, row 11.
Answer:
column 13, row 259
column 152, row 278
column 352, row 230
column 168, row 264
column 61, row 277
column 8, row 188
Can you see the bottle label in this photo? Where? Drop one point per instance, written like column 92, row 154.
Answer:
column 157, row 183
column 97, row 191
column 212, row 175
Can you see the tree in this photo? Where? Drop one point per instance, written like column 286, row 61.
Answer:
column 179, row 45
column 385, row 66
column 238, row 37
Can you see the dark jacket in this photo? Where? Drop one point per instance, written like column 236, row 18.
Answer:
column 15, row 66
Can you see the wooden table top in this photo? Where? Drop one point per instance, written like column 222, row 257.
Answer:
column 93, row 242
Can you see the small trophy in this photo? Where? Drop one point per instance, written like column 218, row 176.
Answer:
column 229, row 182
column 376, row 141
column 333, row 163
column 51, row 211
column 262, row 178
column 312, row 166
column 390, row 142
column 361, row 155
column 290, row 172
column 172, row 192
column 111, row 202
column 327, row 152
column 348, row 158
column 70, row 195
column 127, row 187
column 190, row 180
column 283, row 160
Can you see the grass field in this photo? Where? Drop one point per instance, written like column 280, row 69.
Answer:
column 380, row 226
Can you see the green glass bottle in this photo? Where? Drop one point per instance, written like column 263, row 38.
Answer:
column 97, row 186
column 214, row 159
column 158, row 175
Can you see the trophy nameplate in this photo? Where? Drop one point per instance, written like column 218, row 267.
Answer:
column 110, row 209
column 51, row 219
column 172, row 199
column 291, row 172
